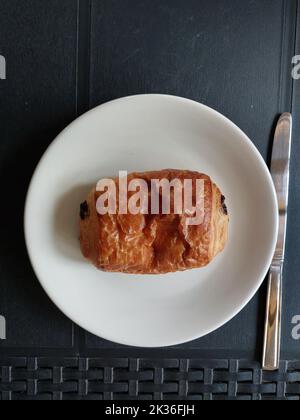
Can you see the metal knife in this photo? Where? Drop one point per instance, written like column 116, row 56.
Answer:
column 280, row 169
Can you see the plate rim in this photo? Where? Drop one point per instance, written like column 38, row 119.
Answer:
column 239, row 307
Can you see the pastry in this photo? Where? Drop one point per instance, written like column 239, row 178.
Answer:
column 155, row 243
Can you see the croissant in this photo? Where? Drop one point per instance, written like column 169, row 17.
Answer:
column 154, row 243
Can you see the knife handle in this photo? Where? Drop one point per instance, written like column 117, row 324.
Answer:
column 272, row 338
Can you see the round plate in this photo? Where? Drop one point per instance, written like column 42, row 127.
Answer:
column 141, row 133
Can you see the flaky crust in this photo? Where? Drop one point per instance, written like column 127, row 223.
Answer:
column 154, row 244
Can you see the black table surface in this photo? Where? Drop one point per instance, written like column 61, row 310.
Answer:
column 64, row 57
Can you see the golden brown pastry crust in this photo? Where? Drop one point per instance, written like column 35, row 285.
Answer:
column 155, row 244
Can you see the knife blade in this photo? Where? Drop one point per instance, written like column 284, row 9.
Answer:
column 280, row 171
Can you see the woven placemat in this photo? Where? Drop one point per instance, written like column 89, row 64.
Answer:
column 145, row 379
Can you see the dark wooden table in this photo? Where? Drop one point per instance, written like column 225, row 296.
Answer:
column 64, row 57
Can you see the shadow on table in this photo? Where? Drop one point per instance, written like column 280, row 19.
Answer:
column 66, row 221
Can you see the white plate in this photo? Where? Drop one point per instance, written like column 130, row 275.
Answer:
column 141, row 133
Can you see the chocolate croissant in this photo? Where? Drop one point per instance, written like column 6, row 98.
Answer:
column 155, row 243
